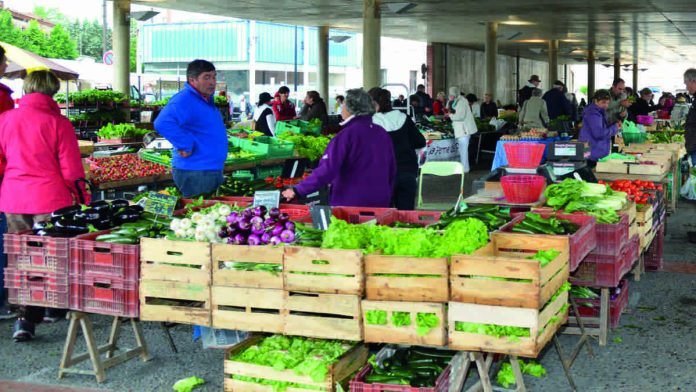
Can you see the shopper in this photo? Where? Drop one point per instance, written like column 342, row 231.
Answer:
column 401, row 104
column 406, row 139
column 339, row 104
column 426, row 103
column 439, row 104
column 193, row 125
column 474, row 105
column 596, row 130
column 358, row 163
column 526, row 92
column 314, row 107
column 488, row 108
column 283, row 108
column 415, row 103
column 690, row 124
column 6, row 103
column 463, row 124
column 556, row 102
column 680, row 110
column 617, row 110
column 42, row 164
column 643, row 105
column 264, row 119
column 534, row 113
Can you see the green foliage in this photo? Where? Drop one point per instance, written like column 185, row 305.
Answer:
column 376, row 317
column 401, row 319
column 56, row 44
column 61, row 45
column 221, row 101
column 506, row 377
column 9, row 33
column 425, row 322
column 34, row 40
column 111, row 131
column 311, row 147
column 93, row 97
column 545, row 256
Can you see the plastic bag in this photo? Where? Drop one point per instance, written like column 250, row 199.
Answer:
column 221, row 338
column 688, row 190
column 629, row 127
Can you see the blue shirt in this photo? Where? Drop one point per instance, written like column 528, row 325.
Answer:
column 194, row 125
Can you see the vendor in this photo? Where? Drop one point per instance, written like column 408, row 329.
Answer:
column 194, row 126
column 314, row 107
column 596, row 130
column 463, row 123
column 283, row 108
column 358, row 163
column 439, row 104
column 488, row 108
column 643, row 106
column 264, row 120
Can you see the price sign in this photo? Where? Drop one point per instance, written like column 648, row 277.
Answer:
column 321, row 216
column 565, row 150
column 269, row 199
column 160, row 204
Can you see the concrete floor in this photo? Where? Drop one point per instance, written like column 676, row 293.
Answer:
column 656, row 352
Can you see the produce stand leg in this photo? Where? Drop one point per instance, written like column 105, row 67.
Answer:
column 478, row 384
column 566, row 366
column 166, row 327
column 483, row 365
column 113, row 337
column 460, row 368
column 584, row 338
column 69, row 347
column 639, row 269
column 604, row 316
column 140, row 340
column 519, row 379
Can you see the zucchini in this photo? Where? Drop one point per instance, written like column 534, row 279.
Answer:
column 123, row 240
column 383, row 379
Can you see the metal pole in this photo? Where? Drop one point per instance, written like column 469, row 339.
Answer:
column 517, row 78
column 104, row 27
column 295, row 74
column 160, row 88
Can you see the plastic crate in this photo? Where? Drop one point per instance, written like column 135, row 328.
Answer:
column 309, row 129
column 607, row 271
column 287, row 126
column 654, row 258
column 616, row 306
column 37, row 288
column 423, row 218
column 356, row 215
column 522, row 188
column 524, row 155
column 103, row 295
column 266, row 146
column 51, row 264
column 25, row 243
column 634, row 137
column 268, row 171
column 103, row 259
column 611, row 238
column 358, row 384
column 581, row 243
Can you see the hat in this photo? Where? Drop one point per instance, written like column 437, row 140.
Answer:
column 646, row 91
column 534, row 78
column 681, row 100
column 454, row 91
column 264, row 98
column 558, row 83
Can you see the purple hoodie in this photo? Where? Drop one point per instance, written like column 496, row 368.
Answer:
column 359, row 164
column 597, row 132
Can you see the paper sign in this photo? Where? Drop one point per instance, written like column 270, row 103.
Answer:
column 565, row 150
column 321, row 216
column 269, row 199
column 160, row 204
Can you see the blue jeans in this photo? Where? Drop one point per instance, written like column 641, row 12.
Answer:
column 3, row 259
column 692, row 156
column 197, row 182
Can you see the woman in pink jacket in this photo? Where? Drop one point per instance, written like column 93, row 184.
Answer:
column 42, row 164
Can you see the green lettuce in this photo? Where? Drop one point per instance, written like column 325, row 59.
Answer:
column 376, row 317
column 425, row 322
column 401, row 319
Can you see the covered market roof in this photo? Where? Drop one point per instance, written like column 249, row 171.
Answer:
column 665, row 30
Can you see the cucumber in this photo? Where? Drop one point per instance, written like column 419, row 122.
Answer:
column 382, row 379
column 105, row 237
column 122, row 240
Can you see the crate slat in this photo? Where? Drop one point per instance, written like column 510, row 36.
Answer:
column 412, row 288
column 247, row 254
column 162, row 259
column 406, row 334
column 193, row 292
column 252, row 304
column 326, row 316
column 345, row 267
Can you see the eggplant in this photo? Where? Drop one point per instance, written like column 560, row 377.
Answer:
column 38, row 226
column 103, row 224
column 66, row 212
column 88, row 216
column 72, row 228
column 102, row 207
column 135, row 208
column 117, row 204
column 51, row 232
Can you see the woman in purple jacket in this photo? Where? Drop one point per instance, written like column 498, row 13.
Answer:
column 358, row 163
column 595, row 128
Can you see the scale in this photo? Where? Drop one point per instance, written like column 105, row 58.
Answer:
column 566, row 159
column 155, row 141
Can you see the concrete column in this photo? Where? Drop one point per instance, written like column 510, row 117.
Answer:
column 491, row 58
column 437, row 68
column 636, row 89
column 253, row 92
column 553, row 62
column 323, row 63
column 590, row 74
column 372, row 31
column 121, row 45
column 617, row 67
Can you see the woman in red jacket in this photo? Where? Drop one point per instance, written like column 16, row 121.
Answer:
column 439, row 104
column 282, row 107
column 37, row 130
column 6, row 103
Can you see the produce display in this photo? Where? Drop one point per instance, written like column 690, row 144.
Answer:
column 666, row 137
column 304, row 356
column 636, row 189
column 310, row 147
column 491, row 215
column 99, row 215
column 533, row 134
column 121, row 131
column 615, row 156
column 536, row 224
column 597, row 200
column 414, row 366
column 123, row 167
column 425, row 322
column 462, row 236
column 92, row 97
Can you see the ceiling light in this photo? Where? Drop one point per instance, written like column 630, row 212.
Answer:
column 572, row 41
column 531, row 41
column 517, row 23
column 143, row 15
column 399, row 8
column 339, row 38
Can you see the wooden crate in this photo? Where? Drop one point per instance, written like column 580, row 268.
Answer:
column 248, row 254
column 630, row 210
column 645, row 214
column 657, row 169
column 612, row 166
column 646, row 237
column 534, row 319
column 406, row 287
column 326, row 316
column 331, row 271
column 505, row 257
column 407, row 334
column 633, row 229
column 346, row 365
column 248, row 309
column 178, row 261
column 178, row 291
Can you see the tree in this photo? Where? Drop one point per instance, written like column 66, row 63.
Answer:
column 61, row 45
column 51, row 14
column 35, row 40
column 133, row 47
column 8, row 32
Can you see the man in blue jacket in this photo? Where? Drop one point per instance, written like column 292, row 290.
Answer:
column 194, row 126
column 556, row 101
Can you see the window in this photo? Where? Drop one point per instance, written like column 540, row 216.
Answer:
column 413, row 80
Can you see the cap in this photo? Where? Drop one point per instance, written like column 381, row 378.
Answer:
column 534, row 78
column 264, row 97
column 645, row 91
column 454, row 91
column 559, row 83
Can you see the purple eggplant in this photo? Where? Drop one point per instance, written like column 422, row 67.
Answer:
column 222, row 233
column 230, row 240
column 231, row 231
column 277, row 229
column 254, row 240
column 239, row 239
column 258, row 230
column 232, row 217
column 283, row 217
column 248, row 213
column 266, row 238
column 244, row 225
column 290, row 226
column 256, row 221
column 260, row 211
column 275, row 240
column 269, row 222
column 287, row 236
column 273, row 213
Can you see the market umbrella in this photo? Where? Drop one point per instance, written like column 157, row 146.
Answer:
column 22, row 62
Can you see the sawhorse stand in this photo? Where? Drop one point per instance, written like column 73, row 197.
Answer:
column 483, row 361
column 602, row 329
column 94, row 352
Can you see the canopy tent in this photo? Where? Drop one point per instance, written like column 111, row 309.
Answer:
column 21, row 62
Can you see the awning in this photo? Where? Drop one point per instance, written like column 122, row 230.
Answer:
column 21, row 62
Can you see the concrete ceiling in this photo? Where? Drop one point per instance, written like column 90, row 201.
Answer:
column 660, row 30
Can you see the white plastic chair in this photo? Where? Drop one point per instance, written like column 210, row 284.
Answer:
column 441, row 169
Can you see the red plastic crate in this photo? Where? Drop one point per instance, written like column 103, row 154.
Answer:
column 611, row 237
column 654, row 256
column 356, row 215
column 358, row 385
column 37, row 288
column 37, row 253
column 103, row 259
column 581, row 243
column 607, row 271
column 616, row 306
column 113, row 297
column 423, row 218
column 241, row 201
